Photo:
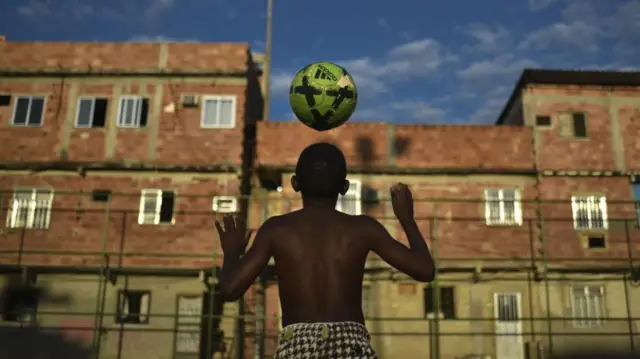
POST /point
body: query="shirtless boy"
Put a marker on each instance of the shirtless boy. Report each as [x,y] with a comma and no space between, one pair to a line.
[320,256]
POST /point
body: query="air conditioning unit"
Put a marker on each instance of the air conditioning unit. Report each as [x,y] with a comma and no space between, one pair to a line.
[190,100]
[225,204]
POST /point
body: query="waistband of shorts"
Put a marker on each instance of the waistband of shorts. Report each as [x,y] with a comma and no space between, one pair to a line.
[326,330]
[330,325]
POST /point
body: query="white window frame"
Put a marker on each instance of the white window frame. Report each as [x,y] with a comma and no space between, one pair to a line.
[91,114]
[32,206]
[357,192]
[503,220]
[597,200]
[149,193]
[216,207]
[188,323]
[203,112]
[590,320]
[137,114]
[145,306]
[15,110]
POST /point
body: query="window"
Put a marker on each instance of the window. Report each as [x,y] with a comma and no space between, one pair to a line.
[588,308]
[133,112]
[21,299]
[30,208]
[596,241]
[5,100]
[101,195]
[133,307]
[92,112]
[218,112]
[28,111]
[351,202]
[447,302]
[502,207]
[543,121]
[225,204]
[188,324]
[156,207]
[589,212]
[579,125]
[636,198]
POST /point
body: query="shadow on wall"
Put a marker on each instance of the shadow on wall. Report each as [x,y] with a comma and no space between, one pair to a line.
[29,341]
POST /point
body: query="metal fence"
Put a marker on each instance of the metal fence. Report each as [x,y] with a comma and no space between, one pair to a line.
[129,277]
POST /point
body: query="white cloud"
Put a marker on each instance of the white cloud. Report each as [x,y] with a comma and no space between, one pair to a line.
[577,34]
[401,111]
[406,61]
[372,76]
[488,112]
[156,7]
[419,110]
[62,10]
[501,66]
[487,38]
[38,10]
[382,23]
[280,82]
[537,5]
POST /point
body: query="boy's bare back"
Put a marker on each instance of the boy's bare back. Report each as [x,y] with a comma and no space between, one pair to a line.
[320,253]
[320,257]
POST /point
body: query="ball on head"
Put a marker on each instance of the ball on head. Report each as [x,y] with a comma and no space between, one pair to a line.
[323,95]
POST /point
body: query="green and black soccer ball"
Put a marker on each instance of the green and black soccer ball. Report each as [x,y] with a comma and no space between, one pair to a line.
[323,95]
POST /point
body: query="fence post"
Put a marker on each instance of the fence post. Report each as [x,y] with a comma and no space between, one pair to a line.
[260,293]
[102,283]
[435,293]
[626,289]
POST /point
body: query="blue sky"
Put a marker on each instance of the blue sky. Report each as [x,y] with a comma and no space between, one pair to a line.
[414,61]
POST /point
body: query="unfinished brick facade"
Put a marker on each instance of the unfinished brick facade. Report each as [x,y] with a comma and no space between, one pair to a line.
[449,168]
[174,148]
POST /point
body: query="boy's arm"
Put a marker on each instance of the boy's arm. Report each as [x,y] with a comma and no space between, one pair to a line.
[415,261]
[240,271]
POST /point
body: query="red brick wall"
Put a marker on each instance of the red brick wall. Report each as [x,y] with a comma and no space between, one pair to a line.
[629,117]
[623,234]
[180,140]
[416,146]
[456,208]
[78,224]
[597,151]
[127,56]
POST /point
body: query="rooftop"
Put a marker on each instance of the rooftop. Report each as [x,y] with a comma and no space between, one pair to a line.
[40,58]
[569,77]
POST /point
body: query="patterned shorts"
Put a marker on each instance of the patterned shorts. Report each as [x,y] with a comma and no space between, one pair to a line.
[343,340]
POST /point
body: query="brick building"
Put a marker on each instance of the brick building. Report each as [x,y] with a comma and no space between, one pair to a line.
[116,157]
[532,221]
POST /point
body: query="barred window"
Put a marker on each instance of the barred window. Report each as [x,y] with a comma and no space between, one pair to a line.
[588,308]
[30,208]
[589,212]
[502,207]
[351,202]
[133,112]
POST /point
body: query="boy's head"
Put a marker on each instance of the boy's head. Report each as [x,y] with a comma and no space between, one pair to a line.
[321,172]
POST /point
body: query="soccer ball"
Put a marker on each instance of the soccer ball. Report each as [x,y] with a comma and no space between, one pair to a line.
[323,95]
